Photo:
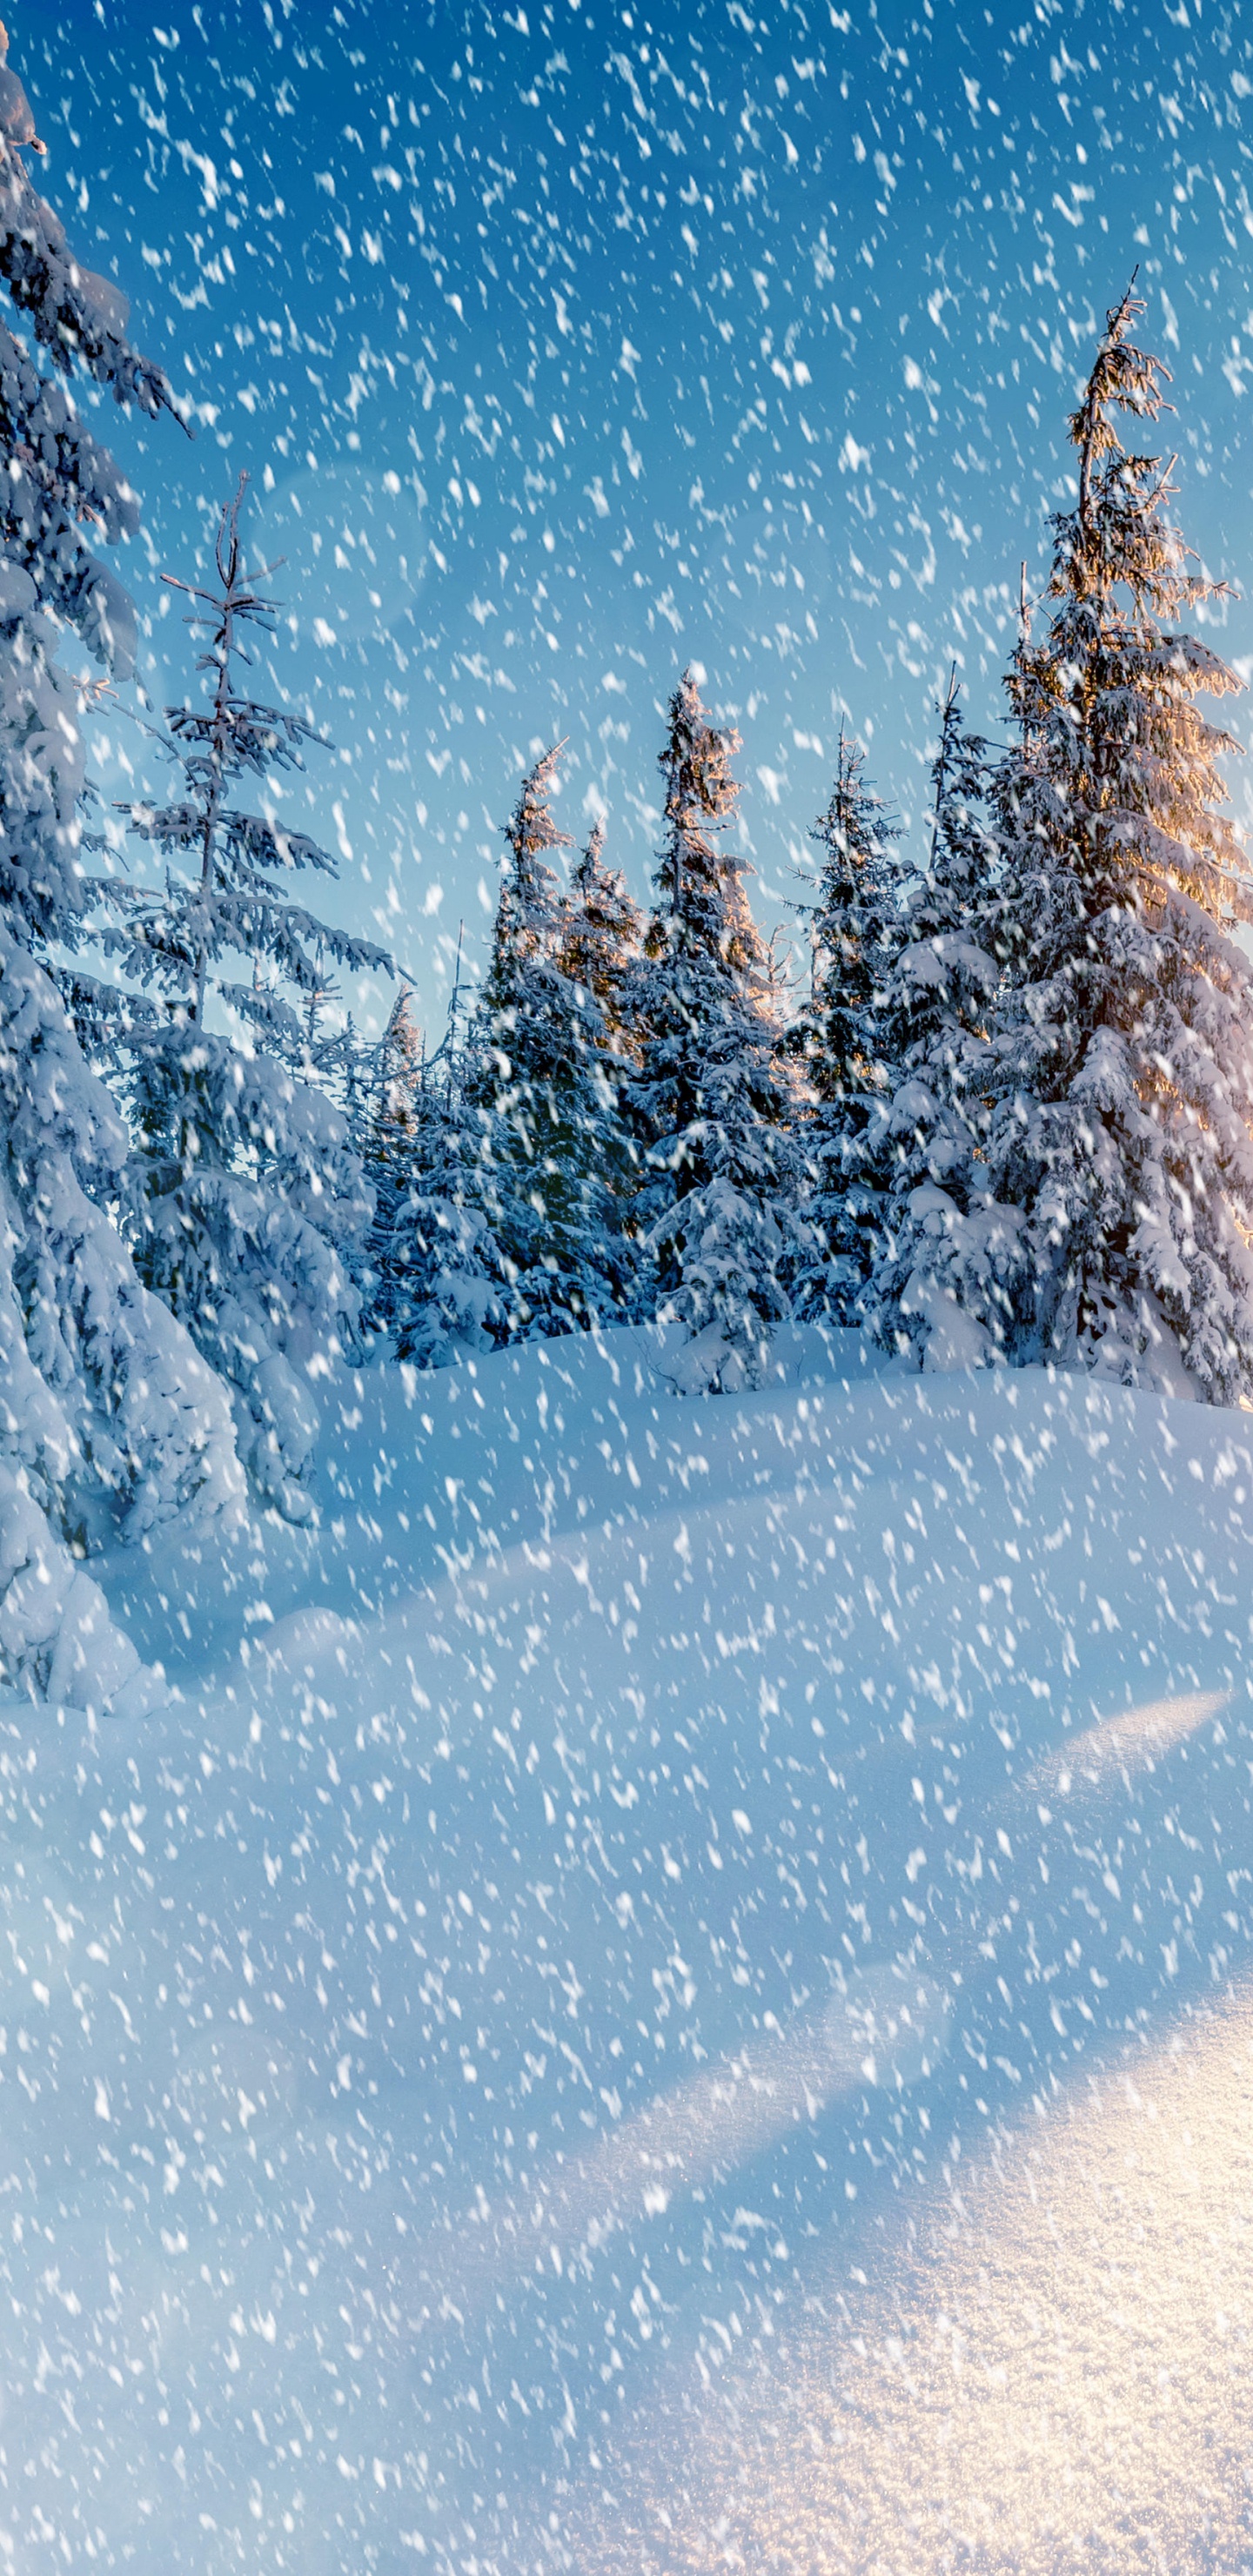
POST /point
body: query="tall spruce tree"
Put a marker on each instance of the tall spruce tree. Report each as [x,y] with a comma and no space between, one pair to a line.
[599,934]
[599,928]
[844,1039]
[940,1006]
[382,1123]
[714,1097]
[544,1096]
[244,1197]
[436,1279]
[107,1416]
[952,930]
[449,1292]
[1107,1217]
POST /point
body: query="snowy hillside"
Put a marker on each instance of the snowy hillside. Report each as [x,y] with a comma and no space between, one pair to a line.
[626,1294]
[663,1993]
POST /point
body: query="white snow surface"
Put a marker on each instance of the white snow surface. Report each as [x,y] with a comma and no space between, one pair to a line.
[669,1989]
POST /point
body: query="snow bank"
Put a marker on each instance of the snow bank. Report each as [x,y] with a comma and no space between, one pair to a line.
[55,1627]
[592,1903]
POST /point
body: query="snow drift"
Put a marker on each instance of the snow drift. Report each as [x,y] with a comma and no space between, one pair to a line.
[590,1912]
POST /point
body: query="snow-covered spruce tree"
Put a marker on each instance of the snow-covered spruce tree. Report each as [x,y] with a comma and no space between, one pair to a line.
[244,1196]
[599,928]
[1107,1219]
[714,1099]
[448,1291]
[107,1416]
[385,1126]
[951,931]
[939,1008]
[546,1104]
[435,1277]
[599,944]
[844,1039]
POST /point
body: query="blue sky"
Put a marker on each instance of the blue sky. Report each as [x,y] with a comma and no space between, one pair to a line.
[598,338]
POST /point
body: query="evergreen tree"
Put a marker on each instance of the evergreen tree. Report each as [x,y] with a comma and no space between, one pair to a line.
[382,1125]
[436,1279]
[599,936]
[844,1041]
[939,1006]
[714,1097]
[543,1092]
[599,928]
[106,1414]
[448,1289]
[316,1043]
[1108,1214]
[244,1197]
[952,931]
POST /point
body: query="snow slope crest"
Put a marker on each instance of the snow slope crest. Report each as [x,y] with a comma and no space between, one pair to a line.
[590,1914]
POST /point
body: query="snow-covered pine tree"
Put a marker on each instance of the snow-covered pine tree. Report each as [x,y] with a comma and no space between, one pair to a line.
[448,1292]
[544,1098]
[244,1195]
[107,1416]
[386,1127]
[951,928]
[1108,1219]
[714,1098]
[599,928]
[378,1086]
[435,1276]
[844,1041]
[939,1006]
[599,935]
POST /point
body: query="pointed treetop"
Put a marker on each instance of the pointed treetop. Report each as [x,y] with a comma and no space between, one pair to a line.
[401,1037]
[400,1059]
[1117,770]
[528,895]
[856,827]
[950,734]
[228,897]
[236,733]
[599,928]
[701,794]
[1124,378]
[960,843]
[530,829]
[238,594]
[588,868]
[700,889]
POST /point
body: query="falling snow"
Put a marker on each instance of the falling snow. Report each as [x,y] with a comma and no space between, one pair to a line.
[597,1978]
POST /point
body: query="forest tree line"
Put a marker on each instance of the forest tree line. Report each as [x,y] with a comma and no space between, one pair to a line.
[1008,1116]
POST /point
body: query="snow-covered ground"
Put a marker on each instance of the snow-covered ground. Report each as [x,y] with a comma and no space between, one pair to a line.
[667,1992]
